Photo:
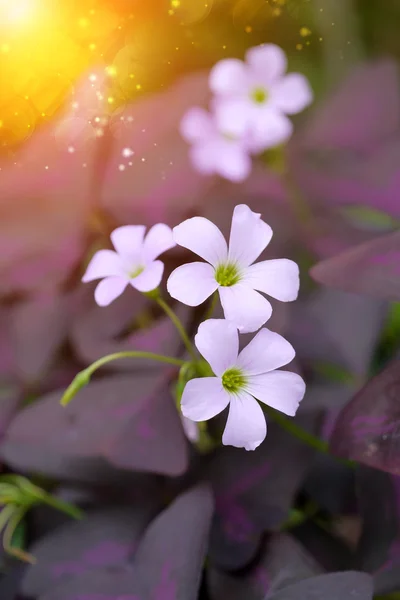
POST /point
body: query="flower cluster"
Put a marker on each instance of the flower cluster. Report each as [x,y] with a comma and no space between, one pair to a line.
[233,378]
[249,108]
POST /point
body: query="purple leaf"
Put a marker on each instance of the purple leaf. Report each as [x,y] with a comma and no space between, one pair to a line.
[253,491]
[372,268]
[283,561]
[100,331]
[102,539]
[124,421]
[157,182]
[168,562]
[349,585]
[367,429]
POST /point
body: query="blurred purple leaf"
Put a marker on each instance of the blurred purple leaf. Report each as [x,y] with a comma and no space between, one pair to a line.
[283,561]
[98,331]
[379,546]
[349,585]
[372,268]
[156,182]
[129,422]
[348,151]
[167,564]
[102,539]
[254,492]
[367,429]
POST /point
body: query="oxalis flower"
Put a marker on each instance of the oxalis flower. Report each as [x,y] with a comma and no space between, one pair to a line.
[239,379]
[132,263]
[256,95]
[215,151]
[231,270]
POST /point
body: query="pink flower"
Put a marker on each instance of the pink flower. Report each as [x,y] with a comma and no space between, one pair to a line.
[231,270]
[255,96]
[239,379]
[133,261]
[215,151]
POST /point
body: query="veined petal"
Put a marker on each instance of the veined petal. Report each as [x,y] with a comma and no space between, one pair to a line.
[266,351]
[279,389]
[268,62]
[128,240]
[109,289]
[278,278]
[249,236]
[103,264]
[246,426]
[292,94]
[197,124]
[150,278]
[203,238]
[229,77]
[244,307]
[204,398]
[159,239]
[217,341]
[192,284]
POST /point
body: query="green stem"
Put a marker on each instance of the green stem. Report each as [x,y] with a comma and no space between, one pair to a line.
[212,306]
[178,324]
[301,434]
[84,376]
[65,507]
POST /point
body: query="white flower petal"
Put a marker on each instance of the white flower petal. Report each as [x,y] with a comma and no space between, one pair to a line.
[192,284]
[292,94]
[269,128]
[103,264]
[150,278]
[278,278]
[128,240]
[233,115]
[268,62]
[217,341]
[203,238]
[246,426]
[266,351]
[197,124]
[159,239]
[279,389]
[249,236]
[244,307]
[233,162]
[191,429]
[109,289]
[229,77]
[204,398]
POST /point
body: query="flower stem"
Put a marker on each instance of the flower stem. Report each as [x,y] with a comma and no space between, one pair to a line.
[301,434]
[84,376]
[178,324]
[211,308]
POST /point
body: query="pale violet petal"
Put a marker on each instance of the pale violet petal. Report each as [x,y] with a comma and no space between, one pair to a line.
[246,426]
[278,278]
[229,77]
[233,162]
[267,62]
[268,129]
[109,289]
[197,124]
[292,94]
[202,157]
[203,238]
[128,240]
[266,351]
[233,115]
[159,239]
[249,236]
[191,429]
[104,263]
[150,278]
[281,390]
[244,307]
[192,284]
[204,398]
[217,340]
